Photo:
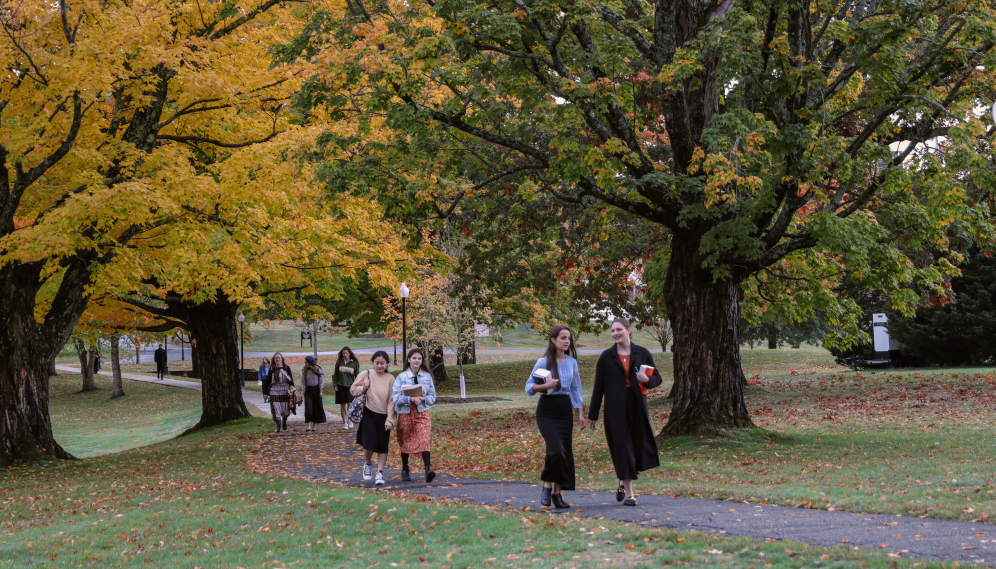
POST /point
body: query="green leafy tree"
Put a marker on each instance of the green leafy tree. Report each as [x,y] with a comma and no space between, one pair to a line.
[957,328]
[770,140]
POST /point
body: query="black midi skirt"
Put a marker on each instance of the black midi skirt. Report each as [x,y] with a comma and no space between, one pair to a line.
[633,450]
[314,410]
[555,418]
[342,395]
[372,435]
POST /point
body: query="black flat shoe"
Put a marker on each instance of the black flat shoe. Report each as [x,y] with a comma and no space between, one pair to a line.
[559,502]
[430,475]
[620,493]
[545,497]
[406,475]
[631,501]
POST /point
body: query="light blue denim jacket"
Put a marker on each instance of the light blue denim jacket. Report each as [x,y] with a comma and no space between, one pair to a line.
[570,380]
[403,403]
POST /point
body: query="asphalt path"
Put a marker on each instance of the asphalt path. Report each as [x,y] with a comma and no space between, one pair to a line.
[897,535]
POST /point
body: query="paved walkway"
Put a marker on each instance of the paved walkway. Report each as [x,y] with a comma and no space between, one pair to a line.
[254,398]
[897,535]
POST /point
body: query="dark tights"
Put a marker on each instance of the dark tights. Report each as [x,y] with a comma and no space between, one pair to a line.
[425,458]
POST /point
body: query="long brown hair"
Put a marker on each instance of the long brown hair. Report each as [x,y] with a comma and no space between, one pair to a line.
[339,360]
[283,360]
[424,366]
[551,350]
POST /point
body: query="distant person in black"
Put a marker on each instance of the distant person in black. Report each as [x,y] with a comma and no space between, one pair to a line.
[96,362]
[160,359]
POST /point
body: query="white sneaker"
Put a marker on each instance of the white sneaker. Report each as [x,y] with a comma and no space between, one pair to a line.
[379,481]
[351,424]
[366,472]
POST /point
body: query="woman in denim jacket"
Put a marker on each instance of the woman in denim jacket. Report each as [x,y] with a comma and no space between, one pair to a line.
[414,423]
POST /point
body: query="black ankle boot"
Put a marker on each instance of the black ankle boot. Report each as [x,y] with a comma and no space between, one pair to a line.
[545,497]
[559,502]
[430,475]
[406,475]
[285,423]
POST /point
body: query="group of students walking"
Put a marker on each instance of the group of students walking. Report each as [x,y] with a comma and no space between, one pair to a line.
[623,375]
[389,403]
[401,401]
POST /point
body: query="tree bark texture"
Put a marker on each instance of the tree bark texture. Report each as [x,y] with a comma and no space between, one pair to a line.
[773,341]
[117,388]
[213,327]
[87,356]
[705,316]
[195,361]
[27,349]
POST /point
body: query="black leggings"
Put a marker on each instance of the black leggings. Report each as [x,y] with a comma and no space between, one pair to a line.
[425,458]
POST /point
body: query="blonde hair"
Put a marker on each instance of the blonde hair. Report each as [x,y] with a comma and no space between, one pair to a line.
[266,361]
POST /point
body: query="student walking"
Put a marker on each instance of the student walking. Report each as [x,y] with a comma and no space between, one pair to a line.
[160,358]
[620,378]
[374,432]
[279,387]
[414,422]
[346,371]
[264,369]
[561,395]
[313,381]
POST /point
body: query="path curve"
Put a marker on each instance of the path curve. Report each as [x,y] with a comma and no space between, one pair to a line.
[897,535]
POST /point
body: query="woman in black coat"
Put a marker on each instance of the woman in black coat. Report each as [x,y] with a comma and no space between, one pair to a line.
[627,422]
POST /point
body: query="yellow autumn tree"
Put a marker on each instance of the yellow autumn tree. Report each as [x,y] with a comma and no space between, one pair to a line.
[263,232]
[118,123]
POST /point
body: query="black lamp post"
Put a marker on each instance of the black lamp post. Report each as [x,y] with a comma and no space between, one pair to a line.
[404,322]
[242,350]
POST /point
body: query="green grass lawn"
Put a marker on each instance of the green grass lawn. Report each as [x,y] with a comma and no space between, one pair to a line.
[90,424]
[903,442]
[195,501]
[283,336]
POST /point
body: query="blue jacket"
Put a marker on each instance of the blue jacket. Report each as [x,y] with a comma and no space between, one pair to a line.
[570,380]
[264,370]
[402,403]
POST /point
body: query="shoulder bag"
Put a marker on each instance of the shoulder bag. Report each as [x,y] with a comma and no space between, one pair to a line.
[355,411]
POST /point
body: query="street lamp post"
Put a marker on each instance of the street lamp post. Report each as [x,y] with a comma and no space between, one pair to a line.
[404,322]
[242,350]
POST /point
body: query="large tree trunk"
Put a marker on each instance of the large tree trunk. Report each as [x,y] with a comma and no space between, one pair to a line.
[27,348]
[705,317]
[118,389]
[437,364]
[213,327]
[195,361]
[86,355]
[773,339]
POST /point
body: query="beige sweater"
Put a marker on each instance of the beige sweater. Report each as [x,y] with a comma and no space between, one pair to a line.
[380,394]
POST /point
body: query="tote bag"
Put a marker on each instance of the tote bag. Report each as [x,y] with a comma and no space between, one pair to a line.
[355,411]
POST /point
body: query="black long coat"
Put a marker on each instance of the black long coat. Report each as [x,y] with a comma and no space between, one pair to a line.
[627,427]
